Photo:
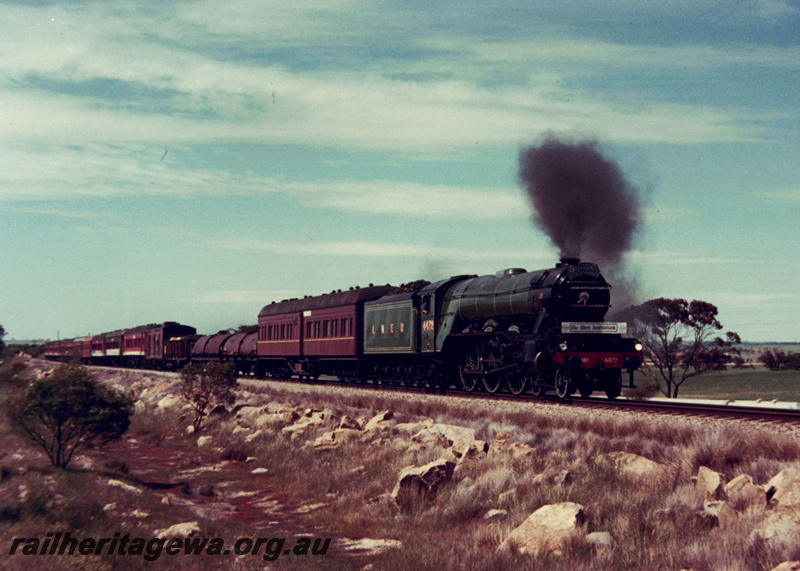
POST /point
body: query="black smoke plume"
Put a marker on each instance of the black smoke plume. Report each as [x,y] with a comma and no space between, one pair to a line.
[581,199]
[584,203]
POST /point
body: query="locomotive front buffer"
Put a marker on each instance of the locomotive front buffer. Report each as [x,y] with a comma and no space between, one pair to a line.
[586,356]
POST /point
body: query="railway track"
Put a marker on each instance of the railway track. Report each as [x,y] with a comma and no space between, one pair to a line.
[731,409]
[684,408]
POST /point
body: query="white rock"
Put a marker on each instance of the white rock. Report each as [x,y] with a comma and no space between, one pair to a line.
[780,529]
[169,402]
[369,546]
[496,515]
[185,530]
[253,436]
[348,422]
[461,439]
[743,493]
[421,482]
[632,465]
[335,438]
[784,488]
[124,486]
[708,483]
[545,530]
[380,419]
[717,512]
[600,539]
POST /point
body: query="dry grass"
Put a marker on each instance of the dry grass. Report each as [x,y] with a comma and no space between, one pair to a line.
[653,521]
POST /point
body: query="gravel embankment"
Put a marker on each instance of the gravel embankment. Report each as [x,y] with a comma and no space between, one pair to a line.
[549,408]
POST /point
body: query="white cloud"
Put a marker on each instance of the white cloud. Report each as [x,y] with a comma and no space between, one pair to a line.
[33,172]
[61,212]
[784,195]
[573,55]
[272,21]
[695,258]
[398,198]
[775,9]
[59,172]
[169,93]
[751,300]
[384,250]
[354,112]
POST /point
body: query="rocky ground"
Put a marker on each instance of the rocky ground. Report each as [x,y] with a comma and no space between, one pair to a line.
[403,480]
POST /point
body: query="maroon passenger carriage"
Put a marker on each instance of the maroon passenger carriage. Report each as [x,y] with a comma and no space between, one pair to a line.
[315,335]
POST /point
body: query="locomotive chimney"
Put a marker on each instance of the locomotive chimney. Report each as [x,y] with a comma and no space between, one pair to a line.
[568,262]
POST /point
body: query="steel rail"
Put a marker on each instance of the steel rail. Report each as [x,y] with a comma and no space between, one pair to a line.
[726,410]
[682,408]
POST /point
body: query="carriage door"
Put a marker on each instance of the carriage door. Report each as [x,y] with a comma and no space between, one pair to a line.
[427,326]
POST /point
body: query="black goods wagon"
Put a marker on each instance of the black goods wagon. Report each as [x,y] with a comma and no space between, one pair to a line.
[209,347]
[178,350]
[157,336]
[240,349]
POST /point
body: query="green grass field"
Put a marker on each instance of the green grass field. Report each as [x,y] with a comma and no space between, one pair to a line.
[741,384]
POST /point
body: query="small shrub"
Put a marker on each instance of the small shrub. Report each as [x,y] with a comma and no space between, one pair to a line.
[11,370]
[207,385]
[780,360]
[234,455]
[117,466]
[10,514]
[646,389]
[70,410]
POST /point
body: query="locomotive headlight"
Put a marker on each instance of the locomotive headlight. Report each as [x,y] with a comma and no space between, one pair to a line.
[563,345]
[638,346]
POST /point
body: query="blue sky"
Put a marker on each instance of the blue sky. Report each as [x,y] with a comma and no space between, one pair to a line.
[193,161]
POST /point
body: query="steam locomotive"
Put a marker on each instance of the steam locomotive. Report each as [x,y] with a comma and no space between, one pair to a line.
[542,331]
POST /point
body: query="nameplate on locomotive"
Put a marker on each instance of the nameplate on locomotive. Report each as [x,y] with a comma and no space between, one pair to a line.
[590,327]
